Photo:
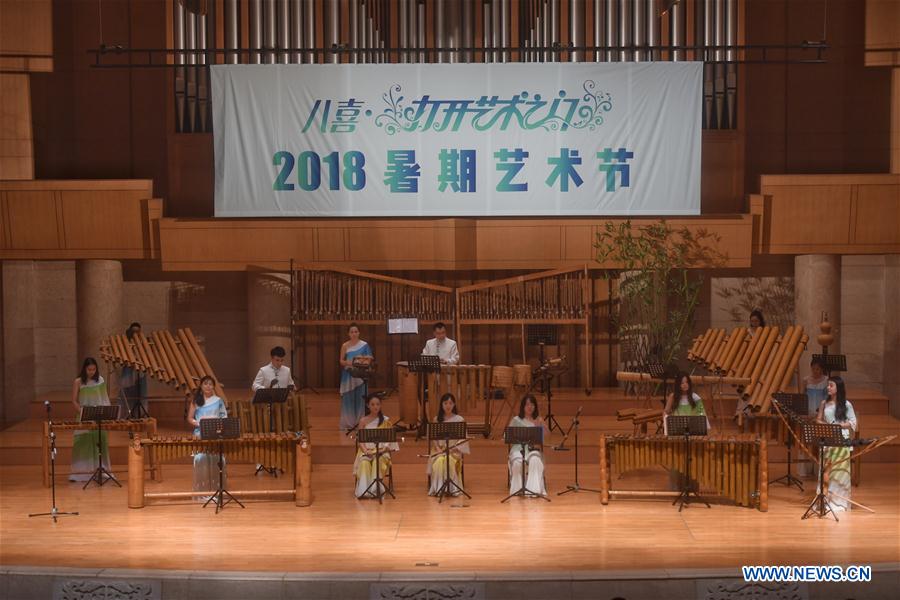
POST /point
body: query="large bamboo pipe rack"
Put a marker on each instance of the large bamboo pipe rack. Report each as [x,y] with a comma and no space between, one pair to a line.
[766,358]
[555,297]
[335,296]
[173,359]
[757,365]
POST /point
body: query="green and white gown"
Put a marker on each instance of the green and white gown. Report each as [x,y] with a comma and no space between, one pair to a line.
[84,442]
[839,474]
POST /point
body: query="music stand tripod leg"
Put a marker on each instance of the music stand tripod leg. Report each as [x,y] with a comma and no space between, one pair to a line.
[524,491]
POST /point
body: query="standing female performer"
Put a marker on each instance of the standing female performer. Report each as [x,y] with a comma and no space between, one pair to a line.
[352,388]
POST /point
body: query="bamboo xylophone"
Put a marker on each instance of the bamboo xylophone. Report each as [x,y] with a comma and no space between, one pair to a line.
[287,451]
[145,426]
[289,416]
[766,359]
[468,383]
[175,360]
[735,467]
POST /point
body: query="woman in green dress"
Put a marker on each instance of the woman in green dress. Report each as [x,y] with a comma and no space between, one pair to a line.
[88,389]
[687,404]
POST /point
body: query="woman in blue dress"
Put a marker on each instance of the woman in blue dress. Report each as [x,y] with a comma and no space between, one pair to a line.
[816,393]
[206,405]
[353,389]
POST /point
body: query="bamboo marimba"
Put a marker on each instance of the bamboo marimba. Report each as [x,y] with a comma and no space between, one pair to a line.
[173,359]
[734,467]
[468,384]
[288,416]
[145,426]
[290,452]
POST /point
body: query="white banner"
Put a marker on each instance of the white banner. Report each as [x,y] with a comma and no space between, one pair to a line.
[457,140]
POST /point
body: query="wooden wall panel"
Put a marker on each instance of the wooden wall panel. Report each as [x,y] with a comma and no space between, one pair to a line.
[32,219]
[829,214]
[16,144]
[882,32]
[78,219]
[421,244]
[26,35]
[877,214]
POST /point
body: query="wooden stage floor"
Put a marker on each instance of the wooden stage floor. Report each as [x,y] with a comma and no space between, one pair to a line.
[414,533]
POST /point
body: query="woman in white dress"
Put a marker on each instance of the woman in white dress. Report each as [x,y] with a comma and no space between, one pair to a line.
[437,464]
[534,459]
[364,465]
[837,409]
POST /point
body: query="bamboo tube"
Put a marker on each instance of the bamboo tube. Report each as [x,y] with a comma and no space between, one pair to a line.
[738,337]
[178,359]
[771,370]
[762,352]
[206,366]
[169,345]
[701,355]
[763,476]
[604,472]
[190,356]
[135,474]
[164,357]
[303,473]
[750,357]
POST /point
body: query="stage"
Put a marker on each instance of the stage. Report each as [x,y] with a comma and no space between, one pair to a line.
[341,547]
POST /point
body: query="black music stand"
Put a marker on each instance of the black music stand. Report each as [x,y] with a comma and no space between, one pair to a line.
[54,511]
[424,364]
[385,435]
[98,414]
[544,374]
[825,435]
[834,363]
[270,396]
[525,437]
[793,406]
[221,429]
[575,487]
[687,426]
[445,432]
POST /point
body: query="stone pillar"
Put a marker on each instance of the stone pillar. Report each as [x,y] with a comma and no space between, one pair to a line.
[817,288]
[18,339]
[892,331]
[98,289]
[268,317]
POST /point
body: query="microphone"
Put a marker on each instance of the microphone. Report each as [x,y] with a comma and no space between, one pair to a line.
[47,406]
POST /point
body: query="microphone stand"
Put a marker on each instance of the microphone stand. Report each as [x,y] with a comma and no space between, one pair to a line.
[54,511]
[575,487]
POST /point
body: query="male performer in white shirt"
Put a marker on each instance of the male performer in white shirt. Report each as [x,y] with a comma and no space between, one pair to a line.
[274,374]
[442,346]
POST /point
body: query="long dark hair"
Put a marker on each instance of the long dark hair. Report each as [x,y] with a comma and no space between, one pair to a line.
[90,360]
[447,396]
[525,399]
[840,399]
[380,412]
[758,314]
[678,392]
[199,400]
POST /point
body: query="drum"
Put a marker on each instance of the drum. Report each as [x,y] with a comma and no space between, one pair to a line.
[522,375]
[363,361]
[502,377]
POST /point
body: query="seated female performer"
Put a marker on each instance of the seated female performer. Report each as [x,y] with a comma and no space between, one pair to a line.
[206,405]
[837,409]
[528,417]
[437,467]
[688,403]
[364,465]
